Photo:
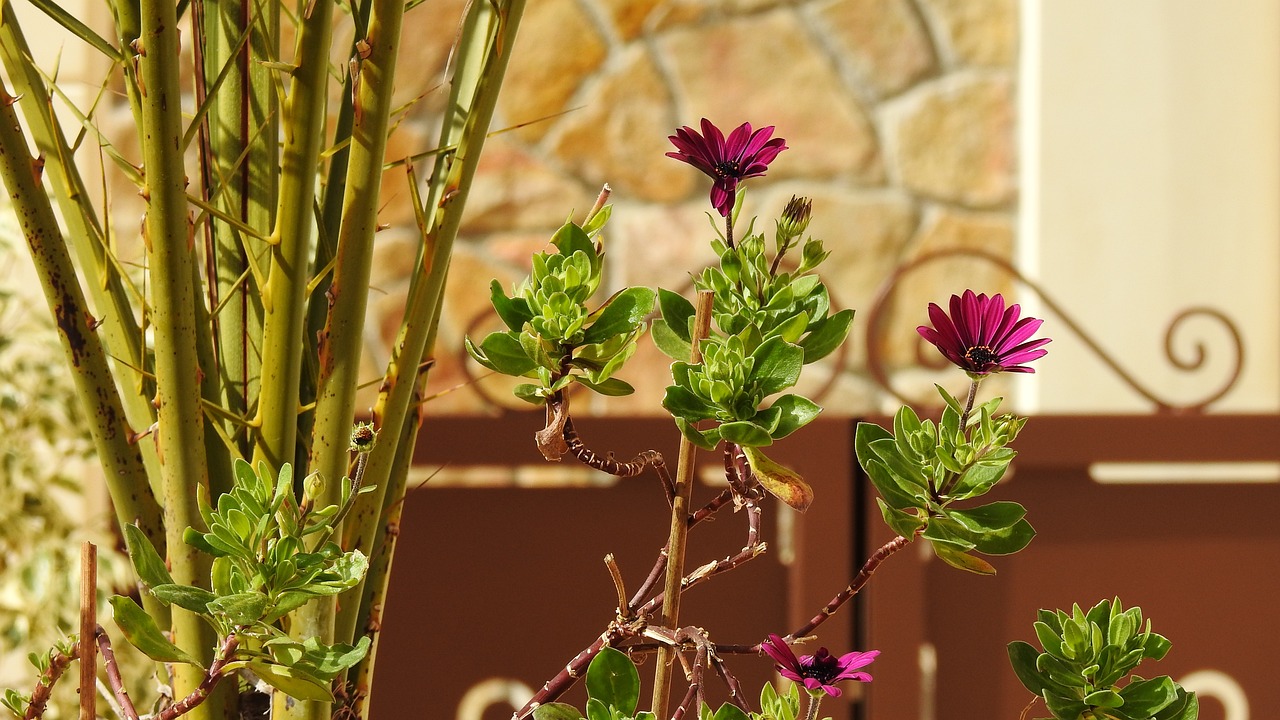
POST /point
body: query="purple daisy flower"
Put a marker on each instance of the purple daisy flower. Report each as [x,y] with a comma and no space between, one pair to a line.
[982,336]
[743,155]
[820,671]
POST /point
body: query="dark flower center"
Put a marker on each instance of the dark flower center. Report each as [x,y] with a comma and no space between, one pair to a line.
[980,355]
[822,667]
[727,169]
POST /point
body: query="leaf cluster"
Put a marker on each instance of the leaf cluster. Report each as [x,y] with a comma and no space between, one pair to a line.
[768,324]
[921,468]
[551,335]
[271,556]
[1087,655]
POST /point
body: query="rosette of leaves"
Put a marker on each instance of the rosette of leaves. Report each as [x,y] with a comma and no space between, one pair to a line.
[613,692]
[271,555]
[770,324]
[921,469]
[1085,659]
[551,336]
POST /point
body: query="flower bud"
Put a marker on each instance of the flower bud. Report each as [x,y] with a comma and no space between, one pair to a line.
[795,219]
[363,436]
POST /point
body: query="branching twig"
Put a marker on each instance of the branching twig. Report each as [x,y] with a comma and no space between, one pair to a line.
[859,580]
[212,677]
[44,686]
[113,674]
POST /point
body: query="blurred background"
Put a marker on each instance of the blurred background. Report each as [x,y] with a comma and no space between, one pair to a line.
[1112,165]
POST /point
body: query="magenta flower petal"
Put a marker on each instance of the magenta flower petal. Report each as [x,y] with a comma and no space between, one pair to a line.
[821,671]
[981,336]
[746,153]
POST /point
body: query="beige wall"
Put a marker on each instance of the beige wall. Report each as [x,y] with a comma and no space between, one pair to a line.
[1152,185]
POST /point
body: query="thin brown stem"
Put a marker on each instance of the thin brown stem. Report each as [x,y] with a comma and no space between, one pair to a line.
[113,674]
[624,609]
[856,585]
[609,464]
[212,677]
[88,625]
[679,520]
[728,231]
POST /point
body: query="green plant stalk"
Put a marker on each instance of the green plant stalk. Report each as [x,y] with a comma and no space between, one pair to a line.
[119,328]
[122,460]
[284,297]
[340,341]
[488,35]
[388,532]
[168,238]
[238,111]
[662,667]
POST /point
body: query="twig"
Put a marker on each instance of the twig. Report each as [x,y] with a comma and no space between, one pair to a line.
[212,677]
[609,464]
[88,625]
[679,519]
[113,674]
[858,582]
[624,609]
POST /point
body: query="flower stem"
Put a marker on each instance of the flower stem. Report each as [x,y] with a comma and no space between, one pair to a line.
[815,701]
[968,403]
[679,525]
[728,231]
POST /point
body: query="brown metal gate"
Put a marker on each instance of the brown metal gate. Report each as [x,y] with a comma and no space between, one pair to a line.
[508,583]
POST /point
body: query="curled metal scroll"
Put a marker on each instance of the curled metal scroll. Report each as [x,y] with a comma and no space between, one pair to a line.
[1198,357]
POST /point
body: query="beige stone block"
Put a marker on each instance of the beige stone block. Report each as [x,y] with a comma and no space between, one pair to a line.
[766,69]
[977,32]
[557,48]
[429,32]
[884,39]
[954,140]
[620,137]
[515,190]
[947,273]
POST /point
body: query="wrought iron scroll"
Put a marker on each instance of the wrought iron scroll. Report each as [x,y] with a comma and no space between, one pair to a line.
[876,317]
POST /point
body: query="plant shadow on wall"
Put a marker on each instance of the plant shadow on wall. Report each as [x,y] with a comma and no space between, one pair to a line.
[261,520]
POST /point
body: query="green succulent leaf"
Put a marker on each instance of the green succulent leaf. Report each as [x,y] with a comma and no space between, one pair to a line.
[683,404]
[146,561]
[746,434]
[240,608]
[795,412]
[670,343]
[729,711]
[556,711]
[141,632]
[1006,541]
[1148,697]
[1022,656]
[612,387]
[705,439]
[826,336]
[293,681]
[904,523]
[777,365]
[184,596]
[1186,707]
[570,239]
[597,710]
[502,352]
[622,313]
[613,680]
[514,312]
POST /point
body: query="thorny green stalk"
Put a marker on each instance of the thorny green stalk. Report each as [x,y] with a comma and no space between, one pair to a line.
[340,343]
[108,293]
[122,460]
[168,239]
[239,165]
[283,298]
[488,35]
[679,525]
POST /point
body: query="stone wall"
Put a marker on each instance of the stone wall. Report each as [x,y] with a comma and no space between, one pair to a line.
[899,115]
